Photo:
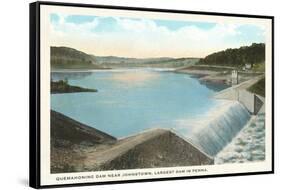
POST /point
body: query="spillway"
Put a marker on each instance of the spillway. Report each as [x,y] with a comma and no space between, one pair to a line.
[220,128]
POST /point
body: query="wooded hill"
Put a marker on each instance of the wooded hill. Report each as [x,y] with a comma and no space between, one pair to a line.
[238,57]
[69,58]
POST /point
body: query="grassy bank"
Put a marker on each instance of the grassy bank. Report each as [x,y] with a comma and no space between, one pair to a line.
[258,88]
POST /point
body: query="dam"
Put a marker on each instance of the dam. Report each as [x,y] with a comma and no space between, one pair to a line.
[129,102]
[220,128]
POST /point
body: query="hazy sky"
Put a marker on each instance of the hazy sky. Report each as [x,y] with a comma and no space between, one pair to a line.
[130,37]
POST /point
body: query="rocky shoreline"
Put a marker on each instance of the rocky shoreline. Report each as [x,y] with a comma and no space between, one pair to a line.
[59,87]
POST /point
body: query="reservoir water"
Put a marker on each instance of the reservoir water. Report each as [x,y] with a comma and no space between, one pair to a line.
[132,100]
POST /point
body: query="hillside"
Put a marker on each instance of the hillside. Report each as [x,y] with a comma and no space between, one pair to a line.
[258,87]
[69,58]
[68,137]
[217,67]
[238,57]
[166,62]
[120,60]
[68,132]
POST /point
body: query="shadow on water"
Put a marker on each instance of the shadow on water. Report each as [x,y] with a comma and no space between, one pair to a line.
[210,85]
[214,86]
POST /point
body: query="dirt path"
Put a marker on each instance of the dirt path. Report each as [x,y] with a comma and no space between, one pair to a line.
[105,153]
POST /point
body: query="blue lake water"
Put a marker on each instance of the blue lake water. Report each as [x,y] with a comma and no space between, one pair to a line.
[133,100]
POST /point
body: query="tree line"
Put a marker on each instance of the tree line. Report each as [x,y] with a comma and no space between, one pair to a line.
[254,54]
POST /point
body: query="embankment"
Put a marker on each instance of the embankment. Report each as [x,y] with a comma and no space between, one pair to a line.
[76,148]
[66,131]
[69,138]
[149,149]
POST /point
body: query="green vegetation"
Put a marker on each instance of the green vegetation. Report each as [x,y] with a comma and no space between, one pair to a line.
[259,67]
[160,62]
[62,86]
[68,58]
[210,68]
[173,63]
[156,64]
[238,57]
[258,88]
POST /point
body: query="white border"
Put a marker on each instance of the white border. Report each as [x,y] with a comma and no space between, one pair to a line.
[52,179]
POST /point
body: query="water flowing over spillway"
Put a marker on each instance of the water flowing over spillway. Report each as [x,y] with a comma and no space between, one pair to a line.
[248,145]
[222,127]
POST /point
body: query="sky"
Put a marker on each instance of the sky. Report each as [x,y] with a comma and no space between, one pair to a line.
[143,38]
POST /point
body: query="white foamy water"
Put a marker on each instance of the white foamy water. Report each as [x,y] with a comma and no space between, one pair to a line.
[219,127]
[248,145]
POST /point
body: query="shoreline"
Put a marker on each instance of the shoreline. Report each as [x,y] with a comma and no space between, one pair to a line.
[217,75]
[61,87]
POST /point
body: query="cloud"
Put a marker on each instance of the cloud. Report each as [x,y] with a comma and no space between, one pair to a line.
[144,38]
[69,28]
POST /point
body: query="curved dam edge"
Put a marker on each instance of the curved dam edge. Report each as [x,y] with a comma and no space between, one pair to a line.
[99,151]
[252,102]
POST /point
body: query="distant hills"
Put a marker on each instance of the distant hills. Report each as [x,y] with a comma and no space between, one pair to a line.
[69,58]
[113,61]
[237,57]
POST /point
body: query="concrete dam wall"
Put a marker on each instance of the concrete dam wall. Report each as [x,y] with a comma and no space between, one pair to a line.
[221,128]
[252,102]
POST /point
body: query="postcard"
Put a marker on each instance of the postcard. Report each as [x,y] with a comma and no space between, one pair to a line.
[123,94]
